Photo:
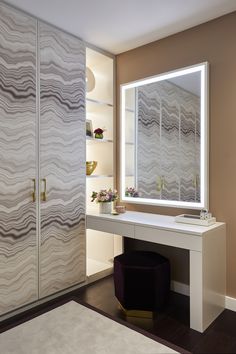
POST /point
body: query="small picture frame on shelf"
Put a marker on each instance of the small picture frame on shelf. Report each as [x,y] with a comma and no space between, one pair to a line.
[89,128]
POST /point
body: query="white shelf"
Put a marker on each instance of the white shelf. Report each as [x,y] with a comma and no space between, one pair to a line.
[94,140]
[100,110]
[129,110]
[103,103]
[99,176]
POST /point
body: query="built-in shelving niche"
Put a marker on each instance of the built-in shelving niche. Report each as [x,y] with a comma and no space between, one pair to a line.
[101,247]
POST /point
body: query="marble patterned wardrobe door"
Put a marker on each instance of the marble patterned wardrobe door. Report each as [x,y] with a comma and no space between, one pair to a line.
[18,250]
[62,149]
[148,141]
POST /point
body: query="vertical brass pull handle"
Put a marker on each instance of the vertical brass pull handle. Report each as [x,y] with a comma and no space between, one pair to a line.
[34,190]
[44,193]
[196,181]
[160,183]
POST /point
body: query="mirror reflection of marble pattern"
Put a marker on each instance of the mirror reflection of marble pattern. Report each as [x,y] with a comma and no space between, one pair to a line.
[163,138]
[167,165]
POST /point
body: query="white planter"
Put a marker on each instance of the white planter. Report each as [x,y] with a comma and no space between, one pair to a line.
[105,208]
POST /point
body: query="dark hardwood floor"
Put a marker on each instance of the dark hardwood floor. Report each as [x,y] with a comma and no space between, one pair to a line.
[171,325]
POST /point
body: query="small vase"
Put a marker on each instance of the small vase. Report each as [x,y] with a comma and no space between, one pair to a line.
[105,208]
[98,136]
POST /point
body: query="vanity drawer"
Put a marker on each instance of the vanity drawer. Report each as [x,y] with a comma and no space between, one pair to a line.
[113,227]
[169,238]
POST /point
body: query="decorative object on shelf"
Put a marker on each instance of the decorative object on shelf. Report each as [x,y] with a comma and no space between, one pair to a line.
[89,128]
[114,213]
[90,80]
[99,133]
[105,208]
[131,192]
[120,209]
[205,215]
[105,197]
[90,167]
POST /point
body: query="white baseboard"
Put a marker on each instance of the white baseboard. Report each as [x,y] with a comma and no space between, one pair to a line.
[230,303]
[181,288]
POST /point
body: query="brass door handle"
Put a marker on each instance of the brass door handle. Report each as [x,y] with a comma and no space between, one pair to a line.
[160,183]
[44,193]
[196,181]
[34,190]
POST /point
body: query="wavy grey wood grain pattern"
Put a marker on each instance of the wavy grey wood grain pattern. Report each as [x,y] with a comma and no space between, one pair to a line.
[168,142]
[18,278]
[62,108]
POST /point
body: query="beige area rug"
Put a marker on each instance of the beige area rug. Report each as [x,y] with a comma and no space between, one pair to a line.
[76,329]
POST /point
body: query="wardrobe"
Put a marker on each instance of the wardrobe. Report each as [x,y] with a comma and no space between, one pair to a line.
[42,160]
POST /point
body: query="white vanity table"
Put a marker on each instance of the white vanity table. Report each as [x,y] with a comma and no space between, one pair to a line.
[206,247]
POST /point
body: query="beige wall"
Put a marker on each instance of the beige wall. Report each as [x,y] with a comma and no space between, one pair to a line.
[214,42]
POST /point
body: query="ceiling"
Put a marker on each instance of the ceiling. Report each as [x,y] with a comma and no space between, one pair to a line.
[121,25]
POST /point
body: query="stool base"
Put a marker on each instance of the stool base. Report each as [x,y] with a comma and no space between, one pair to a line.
[137,313]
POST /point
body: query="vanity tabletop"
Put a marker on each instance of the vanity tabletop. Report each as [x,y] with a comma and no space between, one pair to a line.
[154,221]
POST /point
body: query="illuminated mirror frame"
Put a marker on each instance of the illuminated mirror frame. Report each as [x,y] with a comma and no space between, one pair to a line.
[203,69]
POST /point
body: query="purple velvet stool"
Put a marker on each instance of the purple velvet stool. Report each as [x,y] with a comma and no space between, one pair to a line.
[142,281]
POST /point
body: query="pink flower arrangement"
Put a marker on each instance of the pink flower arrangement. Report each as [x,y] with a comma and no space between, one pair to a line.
[104,196]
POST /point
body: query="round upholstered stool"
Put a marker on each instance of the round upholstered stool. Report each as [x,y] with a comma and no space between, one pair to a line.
[142,282]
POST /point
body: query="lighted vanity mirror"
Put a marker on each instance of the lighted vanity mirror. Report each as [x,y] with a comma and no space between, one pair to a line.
[164,139]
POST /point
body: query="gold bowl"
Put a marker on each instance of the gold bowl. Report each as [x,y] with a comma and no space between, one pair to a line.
[90,167]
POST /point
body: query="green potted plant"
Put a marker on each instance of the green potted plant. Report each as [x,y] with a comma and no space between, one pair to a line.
[99,133]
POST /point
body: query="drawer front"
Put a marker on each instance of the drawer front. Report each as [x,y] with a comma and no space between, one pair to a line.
[169,238]
[113,227]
